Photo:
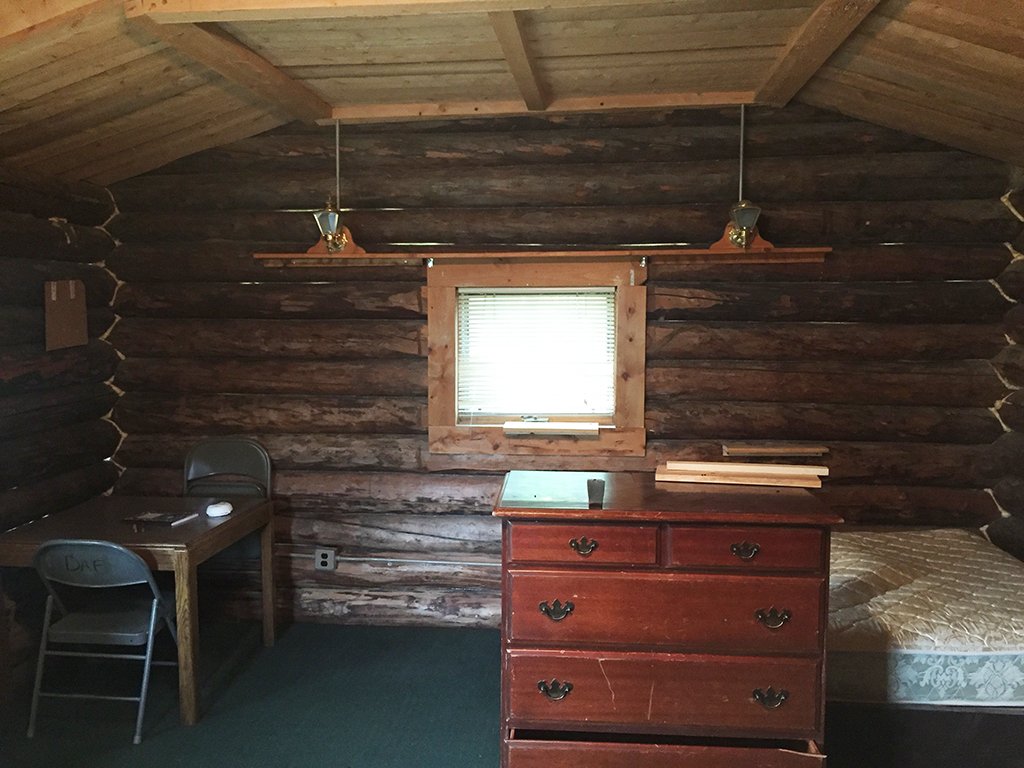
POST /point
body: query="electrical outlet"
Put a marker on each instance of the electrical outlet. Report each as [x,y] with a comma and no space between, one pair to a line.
[324,559]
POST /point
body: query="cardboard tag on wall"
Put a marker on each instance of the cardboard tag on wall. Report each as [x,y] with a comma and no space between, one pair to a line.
[67,324]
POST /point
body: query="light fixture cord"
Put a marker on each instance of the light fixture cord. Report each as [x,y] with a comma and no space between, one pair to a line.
[743,111]
[337,163]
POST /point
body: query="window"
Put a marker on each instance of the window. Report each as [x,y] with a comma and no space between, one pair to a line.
[536,357]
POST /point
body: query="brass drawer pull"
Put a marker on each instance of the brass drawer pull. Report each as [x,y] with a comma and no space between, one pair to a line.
[554,690]
[746,550]
[772,618]
[556,611]
[770,699]
[583,546]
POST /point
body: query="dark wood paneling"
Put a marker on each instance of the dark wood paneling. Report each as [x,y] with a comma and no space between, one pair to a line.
[48,452]
[30,238]
[33,500]
[27,368]
[23,281]
[75,201]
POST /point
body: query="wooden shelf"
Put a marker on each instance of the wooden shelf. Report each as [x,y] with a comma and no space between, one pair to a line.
[813,255]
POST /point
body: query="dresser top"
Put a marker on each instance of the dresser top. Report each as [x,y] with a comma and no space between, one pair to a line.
[636,496]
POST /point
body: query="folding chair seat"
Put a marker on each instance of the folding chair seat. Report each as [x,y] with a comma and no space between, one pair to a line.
[102,595]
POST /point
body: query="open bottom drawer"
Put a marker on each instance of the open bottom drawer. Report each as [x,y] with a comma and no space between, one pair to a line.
[533,749]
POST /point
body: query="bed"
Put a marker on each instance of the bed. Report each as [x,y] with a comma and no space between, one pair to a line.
[925,617]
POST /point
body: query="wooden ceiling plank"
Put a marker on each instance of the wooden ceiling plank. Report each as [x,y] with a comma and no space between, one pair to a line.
[828,27]
[102,99]
[229,58]
[904,110]
[964,23]
[509,31]
[400,111]
[21,19]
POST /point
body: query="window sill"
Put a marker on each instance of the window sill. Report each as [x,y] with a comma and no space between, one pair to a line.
[608,441]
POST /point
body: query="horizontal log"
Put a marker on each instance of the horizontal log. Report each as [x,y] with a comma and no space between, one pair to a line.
[1013,323]
[260,339]
[909,505]
[857,462]
[968,301]
[23,414]
[757,340]
[852,263]
[269,300]
[810,223]
[288,149]
[26,325]
[79,202]
[695,179]
[409,535]
[293,566]
[27,368]
[1009,363]
[407,606]
[1011,411]
[320,495]
[228,261]
[407,377]
[1009,494]
[50,452]
[24,278]
[287,451]
[1001,458]
[960,383]
[228,413]
[1012,280]
[818,423]
[27,237]
[32,501]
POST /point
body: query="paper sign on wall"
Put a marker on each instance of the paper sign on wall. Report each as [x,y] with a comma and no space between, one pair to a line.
[66,321]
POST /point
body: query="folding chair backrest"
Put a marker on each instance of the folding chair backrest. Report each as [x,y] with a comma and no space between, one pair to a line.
[227,466]
[91,564]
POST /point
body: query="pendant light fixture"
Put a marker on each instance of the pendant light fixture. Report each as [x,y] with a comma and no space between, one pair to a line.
[741,231]
[335,238]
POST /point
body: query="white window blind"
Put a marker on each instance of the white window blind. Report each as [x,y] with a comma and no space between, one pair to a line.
[535,352]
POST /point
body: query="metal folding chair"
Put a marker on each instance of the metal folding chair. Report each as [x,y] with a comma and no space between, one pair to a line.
[227,466]
[104,595]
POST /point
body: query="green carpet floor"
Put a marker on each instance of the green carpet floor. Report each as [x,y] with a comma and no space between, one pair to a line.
[332,696]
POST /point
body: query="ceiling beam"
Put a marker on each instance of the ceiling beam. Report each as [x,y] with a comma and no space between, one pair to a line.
[508,28]
[828,27]
[20,18]
[194,11]
[223,54]
[399,111]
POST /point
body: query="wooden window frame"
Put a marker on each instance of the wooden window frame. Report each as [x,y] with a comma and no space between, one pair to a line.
[627,275]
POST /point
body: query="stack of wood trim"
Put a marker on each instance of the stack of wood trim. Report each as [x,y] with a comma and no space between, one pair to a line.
[740,473]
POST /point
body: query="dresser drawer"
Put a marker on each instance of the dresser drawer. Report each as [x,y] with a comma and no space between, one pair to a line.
[692,611]
[584,544]
[747,548]
[664,693]
[530,753]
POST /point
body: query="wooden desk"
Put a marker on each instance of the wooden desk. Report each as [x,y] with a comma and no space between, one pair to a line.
[180,549]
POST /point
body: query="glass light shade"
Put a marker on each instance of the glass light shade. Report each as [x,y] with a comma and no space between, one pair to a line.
[328,220]
[744,215]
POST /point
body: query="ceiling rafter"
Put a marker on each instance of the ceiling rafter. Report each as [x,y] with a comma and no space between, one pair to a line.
[178,11]
[215,48]
[509,30]
[828,27]
[398,111]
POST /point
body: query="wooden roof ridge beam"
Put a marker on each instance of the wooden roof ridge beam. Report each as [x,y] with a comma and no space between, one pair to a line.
[195,11]
[829,26]
[402,110]
[215,48]
[509,31]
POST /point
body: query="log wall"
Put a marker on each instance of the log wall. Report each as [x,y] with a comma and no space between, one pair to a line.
[888,352]
[55,439]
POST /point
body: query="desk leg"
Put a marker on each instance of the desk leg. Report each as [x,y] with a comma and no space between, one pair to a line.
[267,579]
[186,588]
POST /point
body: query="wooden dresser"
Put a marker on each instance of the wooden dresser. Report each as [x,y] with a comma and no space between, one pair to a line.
[675,625]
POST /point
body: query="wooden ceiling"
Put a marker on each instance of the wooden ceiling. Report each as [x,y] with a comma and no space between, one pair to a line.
[103,90]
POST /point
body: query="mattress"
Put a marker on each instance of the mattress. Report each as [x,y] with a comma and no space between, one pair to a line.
[930,616]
